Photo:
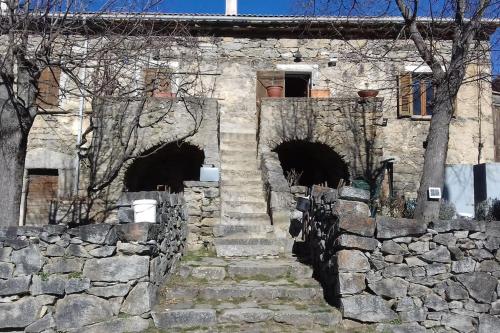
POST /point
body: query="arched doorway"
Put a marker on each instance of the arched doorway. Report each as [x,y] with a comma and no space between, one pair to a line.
[311,163]
[167,167]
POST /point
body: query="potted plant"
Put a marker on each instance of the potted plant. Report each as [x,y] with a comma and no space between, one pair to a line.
[367,92]
[275,89]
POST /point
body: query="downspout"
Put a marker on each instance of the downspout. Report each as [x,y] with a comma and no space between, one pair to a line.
[80,126]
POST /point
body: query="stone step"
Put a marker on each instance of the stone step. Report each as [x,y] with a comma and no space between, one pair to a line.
[214,292]
[249,147]
[247,247]
[238,218]
[242,183]
[223,230]
[237,189]
[227,174]
[248,196]
[243,136]
[238,165]
[244,206]
[241,178]
[237,158]
[247,319]
[238,154]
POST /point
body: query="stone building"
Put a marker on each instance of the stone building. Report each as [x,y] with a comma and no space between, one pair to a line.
[317,127]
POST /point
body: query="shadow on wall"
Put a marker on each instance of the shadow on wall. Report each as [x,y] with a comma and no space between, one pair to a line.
[310,163]
[165,168]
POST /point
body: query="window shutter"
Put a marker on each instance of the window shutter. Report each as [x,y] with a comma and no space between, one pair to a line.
[48,88]
[405,107]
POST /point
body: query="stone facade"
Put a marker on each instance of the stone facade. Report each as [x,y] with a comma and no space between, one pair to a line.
[93,278]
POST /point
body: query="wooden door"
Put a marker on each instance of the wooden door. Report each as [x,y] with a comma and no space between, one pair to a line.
[41,191]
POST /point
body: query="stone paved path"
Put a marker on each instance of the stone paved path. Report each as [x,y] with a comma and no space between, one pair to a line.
[274,294]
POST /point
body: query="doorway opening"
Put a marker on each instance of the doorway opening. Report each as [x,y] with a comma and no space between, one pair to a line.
[165,168]
[311,163]
[297,84]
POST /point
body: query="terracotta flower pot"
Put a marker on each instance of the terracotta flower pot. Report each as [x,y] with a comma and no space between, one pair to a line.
[368,93]
[274,91]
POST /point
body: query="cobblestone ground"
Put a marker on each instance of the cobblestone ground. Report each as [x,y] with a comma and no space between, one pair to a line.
[273,294]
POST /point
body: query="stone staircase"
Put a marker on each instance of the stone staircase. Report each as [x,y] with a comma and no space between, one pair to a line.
[213,294]
[245,228]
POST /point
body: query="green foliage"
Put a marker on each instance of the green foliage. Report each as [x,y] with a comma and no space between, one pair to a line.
[447,210]
[488,210]
[44,276]
[75,275]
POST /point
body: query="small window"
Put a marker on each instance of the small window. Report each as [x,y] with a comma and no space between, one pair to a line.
[416,91]
[48,88]
[297,85]
[157,82]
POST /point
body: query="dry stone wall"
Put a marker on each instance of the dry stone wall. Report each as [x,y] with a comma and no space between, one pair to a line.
[411,276]
[93,278]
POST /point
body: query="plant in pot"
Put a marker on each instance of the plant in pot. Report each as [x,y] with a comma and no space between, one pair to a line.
[275,89]
[367,92]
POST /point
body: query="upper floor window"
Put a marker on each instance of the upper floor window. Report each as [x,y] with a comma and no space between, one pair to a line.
[158,82]
[416,91]
[48,88]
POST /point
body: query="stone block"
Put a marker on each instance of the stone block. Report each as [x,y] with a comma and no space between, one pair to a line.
[330,319]
[367,308]
[466,265]
[138,232]
[116,269]
[488,324]
[28,260]
[53,285]
[103,251]
[435,303]
[391,247]
[15,286]
[54,250]
[350,283]
[79,310]
[184,318]
[351,261]
[345,207]
[388,227]
[401,328]
[399,270]
[76,250]
[295,318]
[63,265]
[129,324]
[5,253]
[391,287]
[455,291]
[354,194]
[357,224]
[77,285]
[19,314]
[125,215]
[139,300]
[439,254]
[92,233]
[248,315]
[356,242]
[446,239]
[41,325]
[459,322]
[6,270]
[209,273]
[493,229]
[481,286]
[452,225]
[130,248]
[116,290]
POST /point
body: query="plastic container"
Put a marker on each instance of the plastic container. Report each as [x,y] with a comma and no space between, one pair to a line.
[209,173]
[144,210]
[303,204]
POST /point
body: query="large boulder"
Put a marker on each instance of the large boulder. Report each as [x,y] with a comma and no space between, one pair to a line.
[357,224]
[481,286]
[392,288]
[488,324]
[139,300]
[28,260]
[356,242]
[15,286]
[351,261]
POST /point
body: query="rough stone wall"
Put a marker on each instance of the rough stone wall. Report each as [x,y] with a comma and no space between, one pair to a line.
[345,125]
[203,213]
[93,278]
[407,275]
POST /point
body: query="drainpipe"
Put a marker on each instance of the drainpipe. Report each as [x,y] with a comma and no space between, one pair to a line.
[80,126]
[231,7]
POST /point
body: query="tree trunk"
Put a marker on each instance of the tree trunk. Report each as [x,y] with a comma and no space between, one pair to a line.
[13,145]
[435,155]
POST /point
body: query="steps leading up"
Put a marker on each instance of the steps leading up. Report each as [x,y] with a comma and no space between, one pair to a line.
[211,294]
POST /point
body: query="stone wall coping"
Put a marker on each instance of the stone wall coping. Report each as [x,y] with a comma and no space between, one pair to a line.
[192,183]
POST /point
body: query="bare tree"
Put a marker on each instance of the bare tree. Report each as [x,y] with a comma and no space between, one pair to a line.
[462,23]
[100,51]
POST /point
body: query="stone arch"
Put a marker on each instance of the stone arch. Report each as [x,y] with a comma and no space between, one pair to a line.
[315,162]
[170,165]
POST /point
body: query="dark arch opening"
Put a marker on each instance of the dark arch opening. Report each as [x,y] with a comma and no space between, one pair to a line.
[316,163]
[168,166]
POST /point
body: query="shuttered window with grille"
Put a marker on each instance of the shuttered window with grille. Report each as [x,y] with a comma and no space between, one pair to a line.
[48,88]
